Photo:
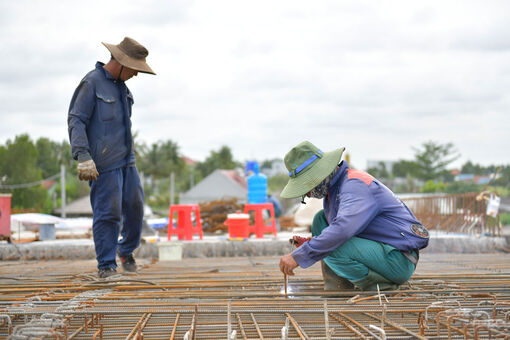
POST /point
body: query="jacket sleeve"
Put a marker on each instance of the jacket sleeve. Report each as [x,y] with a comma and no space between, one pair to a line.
[357,207]
[80,112]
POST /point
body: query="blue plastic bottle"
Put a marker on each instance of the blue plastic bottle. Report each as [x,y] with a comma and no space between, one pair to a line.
[257,186]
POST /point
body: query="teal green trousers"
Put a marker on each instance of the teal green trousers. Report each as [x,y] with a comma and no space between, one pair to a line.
[366,263]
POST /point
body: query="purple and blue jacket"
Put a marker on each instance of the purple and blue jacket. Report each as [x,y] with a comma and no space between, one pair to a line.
[359,205]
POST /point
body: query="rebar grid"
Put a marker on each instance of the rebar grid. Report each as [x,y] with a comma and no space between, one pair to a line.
[450,297]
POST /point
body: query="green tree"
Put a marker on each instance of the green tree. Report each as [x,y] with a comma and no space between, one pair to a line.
[379,171]
[18,165]
[140,148]
[462,187]
[433,158]
[48,157]
[268,163]
[161,159]
[431,186]
[404,168]
[277,183]
[470,168]
[221,159]
[504,180]
[157,162]
[66,158]
[409,185]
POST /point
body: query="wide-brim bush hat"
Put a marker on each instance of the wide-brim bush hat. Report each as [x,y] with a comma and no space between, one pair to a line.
[130,53]
[308,166]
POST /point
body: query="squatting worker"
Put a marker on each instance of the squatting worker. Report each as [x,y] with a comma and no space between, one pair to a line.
[99,123]
[365,236]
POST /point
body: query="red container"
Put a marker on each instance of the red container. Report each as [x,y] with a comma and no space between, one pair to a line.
[5,215]
[238,225]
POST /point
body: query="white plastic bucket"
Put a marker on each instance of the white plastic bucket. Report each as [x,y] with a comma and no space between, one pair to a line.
[170,251]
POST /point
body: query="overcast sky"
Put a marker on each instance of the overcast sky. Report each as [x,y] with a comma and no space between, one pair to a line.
[378,77]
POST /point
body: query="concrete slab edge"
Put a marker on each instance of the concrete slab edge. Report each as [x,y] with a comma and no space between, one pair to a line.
[205,249]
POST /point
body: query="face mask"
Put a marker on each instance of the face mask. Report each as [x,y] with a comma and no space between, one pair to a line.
[321,190]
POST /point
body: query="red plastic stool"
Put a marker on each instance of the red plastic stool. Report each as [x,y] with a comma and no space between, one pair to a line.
[185,228]
[259,228]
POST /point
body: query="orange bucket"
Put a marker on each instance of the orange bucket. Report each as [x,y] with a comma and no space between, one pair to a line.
[238,225]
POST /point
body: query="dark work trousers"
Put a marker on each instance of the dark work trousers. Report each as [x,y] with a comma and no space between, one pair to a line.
[116,195]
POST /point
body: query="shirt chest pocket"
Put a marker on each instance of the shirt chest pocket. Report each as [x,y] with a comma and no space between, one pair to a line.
[106,106]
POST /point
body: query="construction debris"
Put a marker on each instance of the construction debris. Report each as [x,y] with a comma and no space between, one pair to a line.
[287,222]
[214,213]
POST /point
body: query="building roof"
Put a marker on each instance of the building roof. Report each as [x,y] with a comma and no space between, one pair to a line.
[219,184]
[188,161]
[79,207]
[234,176]
[48,183]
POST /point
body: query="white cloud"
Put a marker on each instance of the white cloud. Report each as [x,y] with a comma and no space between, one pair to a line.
[378,78]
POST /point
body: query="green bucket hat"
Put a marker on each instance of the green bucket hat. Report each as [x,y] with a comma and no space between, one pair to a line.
[308,166]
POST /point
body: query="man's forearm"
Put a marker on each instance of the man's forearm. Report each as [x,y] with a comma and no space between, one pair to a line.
[78,139]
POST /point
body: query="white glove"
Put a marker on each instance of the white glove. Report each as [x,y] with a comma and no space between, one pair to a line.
[87,171]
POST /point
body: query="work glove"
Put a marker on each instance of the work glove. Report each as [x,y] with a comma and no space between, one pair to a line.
[298,240]
[87,171]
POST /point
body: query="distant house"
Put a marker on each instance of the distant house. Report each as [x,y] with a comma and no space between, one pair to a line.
[455,172]
[477,179]
[79,207]
[188,161]
[219,184]
[48,184]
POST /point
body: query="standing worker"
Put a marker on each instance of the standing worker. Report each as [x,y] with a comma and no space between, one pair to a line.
[365,236]
[277,209]
[99,123]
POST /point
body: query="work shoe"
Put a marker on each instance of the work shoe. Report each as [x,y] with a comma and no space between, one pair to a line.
[128,263]
[103,273]
[374,279]
[332,281]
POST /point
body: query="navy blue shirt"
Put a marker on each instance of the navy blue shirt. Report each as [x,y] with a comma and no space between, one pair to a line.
[99,121]
[359,205]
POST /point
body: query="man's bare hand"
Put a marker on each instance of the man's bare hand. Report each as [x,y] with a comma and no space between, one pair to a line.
[287,264]
[87,171]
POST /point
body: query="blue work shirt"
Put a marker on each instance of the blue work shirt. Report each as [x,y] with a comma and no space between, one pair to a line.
[359,205]
[99,121]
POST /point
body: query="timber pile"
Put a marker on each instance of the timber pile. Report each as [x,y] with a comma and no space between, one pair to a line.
[214,213]
[287,222]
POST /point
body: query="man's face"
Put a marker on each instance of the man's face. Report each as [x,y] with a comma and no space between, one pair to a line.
[127,73]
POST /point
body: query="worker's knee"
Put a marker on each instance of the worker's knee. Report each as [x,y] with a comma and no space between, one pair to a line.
[134,205]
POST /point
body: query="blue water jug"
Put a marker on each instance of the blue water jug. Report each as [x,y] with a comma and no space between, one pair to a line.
[249,167]
[257,186]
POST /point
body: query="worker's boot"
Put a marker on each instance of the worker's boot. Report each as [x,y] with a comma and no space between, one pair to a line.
[332,281]
[128,263]
[374,279]
[103,273]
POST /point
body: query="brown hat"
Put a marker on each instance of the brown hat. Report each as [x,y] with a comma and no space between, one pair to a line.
[130,53]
